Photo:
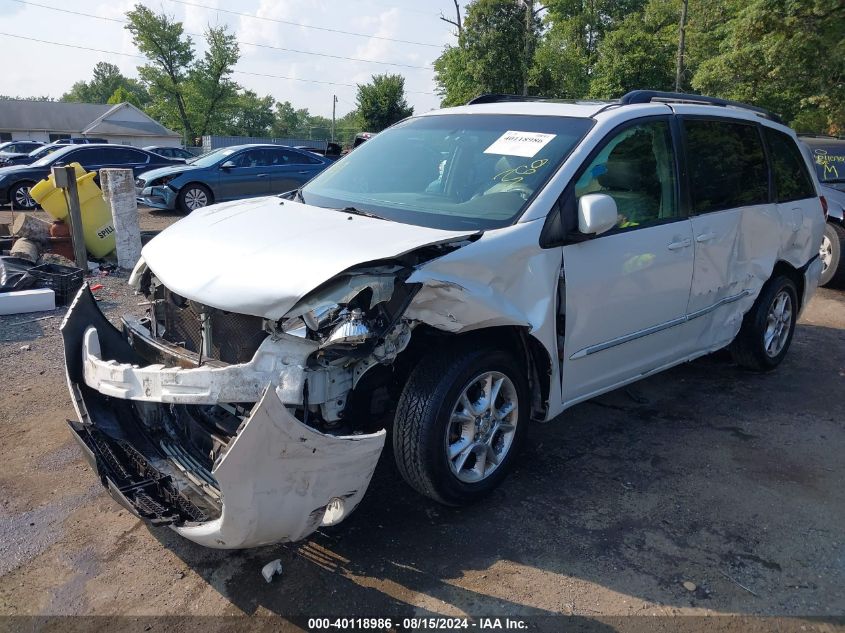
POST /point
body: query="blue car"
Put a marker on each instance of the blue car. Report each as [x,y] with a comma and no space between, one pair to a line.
[230,173]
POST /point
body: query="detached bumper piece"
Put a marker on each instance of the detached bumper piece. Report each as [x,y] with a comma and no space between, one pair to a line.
[133,482]
[222,475]
[130,457]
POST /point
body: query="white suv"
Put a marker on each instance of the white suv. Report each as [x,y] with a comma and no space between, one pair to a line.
[459,275]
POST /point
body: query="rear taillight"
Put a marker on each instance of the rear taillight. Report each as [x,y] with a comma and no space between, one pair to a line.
[824,206]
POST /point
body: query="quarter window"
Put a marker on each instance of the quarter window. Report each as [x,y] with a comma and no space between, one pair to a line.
[727,165]
[637,169]
[792,180]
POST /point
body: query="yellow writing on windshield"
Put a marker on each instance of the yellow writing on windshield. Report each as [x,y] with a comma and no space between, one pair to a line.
[517,174]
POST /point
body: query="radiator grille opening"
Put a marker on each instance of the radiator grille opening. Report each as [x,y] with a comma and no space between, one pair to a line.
[234,337]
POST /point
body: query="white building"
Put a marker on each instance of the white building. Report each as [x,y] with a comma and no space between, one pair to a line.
[53,120]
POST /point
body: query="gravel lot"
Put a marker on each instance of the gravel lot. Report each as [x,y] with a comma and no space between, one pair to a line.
[727,481]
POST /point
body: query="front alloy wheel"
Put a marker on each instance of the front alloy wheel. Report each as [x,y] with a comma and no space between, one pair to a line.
[459,422]
[22,199]
[193,197]
[482,426]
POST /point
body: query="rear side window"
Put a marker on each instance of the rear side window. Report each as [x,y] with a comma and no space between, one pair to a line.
[727,165]
[792,180]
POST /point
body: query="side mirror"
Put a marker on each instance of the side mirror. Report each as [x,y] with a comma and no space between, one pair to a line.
[596,213]
[228,165]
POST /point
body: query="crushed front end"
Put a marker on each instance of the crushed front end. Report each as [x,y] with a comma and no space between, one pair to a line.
[234,430]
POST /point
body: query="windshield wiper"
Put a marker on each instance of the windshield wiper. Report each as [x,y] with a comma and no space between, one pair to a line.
[366,214]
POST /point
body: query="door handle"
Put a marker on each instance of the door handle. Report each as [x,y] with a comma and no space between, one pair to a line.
[684,243]
[705,237]
[303,172]
[261,175]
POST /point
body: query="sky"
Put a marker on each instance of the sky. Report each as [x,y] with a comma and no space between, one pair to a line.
[47,69]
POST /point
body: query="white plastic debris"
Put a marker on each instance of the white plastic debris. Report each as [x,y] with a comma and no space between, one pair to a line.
[271,569]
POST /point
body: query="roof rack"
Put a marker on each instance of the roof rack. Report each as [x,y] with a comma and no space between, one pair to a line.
[498,98]
[648,96]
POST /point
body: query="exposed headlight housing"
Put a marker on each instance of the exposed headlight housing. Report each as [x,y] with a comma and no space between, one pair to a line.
[320,316]
[351,331]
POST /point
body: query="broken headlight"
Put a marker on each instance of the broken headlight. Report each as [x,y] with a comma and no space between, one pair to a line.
[318,317]
[352,329]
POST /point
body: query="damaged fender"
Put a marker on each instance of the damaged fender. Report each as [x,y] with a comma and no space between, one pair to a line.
[281,480]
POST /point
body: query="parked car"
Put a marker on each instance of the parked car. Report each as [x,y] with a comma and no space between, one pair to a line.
[230,173]
[16,180]
[332,151]
[12,148]
[171,152]
[81,140]
[828,155]
[561,251]
[26,159]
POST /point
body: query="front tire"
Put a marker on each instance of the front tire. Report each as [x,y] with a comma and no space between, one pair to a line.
[767,328]
[20,197]
[830,252]
[459,422]
[194,196]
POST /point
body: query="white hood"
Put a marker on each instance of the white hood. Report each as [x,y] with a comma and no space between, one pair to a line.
[261,256]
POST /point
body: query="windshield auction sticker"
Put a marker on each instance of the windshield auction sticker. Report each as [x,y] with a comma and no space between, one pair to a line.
[513,143]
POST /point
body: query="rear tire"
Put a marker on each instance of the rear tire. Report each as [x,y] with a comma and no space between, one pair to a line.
[450,442]
[767,328]
[194,196]
[833,243]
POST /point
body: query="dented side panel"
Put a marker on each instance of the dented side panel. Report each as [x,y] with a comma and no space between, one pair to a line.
[278,477]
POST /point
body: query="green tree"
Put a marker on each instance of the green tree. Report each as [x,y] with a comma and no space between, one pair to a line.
[288,120]
[189,94]
[639,53]
[106,79]
[784,55]
[122,95]
[381,103]
[490,54]
[251,115]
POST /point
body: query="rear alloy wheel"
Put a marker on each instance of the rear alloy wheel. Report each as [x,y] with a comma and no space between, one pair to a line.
[830,253]
[193,197]
[20,197]
[768,327]
[459,422]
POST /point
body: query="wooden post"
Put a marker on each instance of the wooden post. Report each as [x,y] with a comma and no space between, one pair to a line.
[68,181]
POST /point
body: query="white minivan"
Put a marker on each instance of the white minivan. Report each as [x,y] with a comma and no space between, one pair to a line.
[459,275]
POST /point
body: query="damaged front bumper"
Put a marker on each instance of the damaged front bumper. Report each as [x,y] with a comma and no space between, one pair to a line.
[269,478]
[158,197]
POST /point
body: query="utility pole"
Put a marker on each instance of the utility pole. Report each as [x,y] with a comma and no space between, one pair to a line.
[679,66]
[334,104]
[529,34]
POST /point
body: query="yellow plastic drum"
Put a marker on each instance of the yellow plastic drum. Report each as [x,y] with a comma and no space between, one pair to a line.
[97,223]
[50,197]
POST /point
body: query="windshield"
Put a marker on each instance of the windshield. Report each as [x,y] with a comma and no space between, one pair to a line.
[212,158]
[450,171]
[47,158]
[829,161]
